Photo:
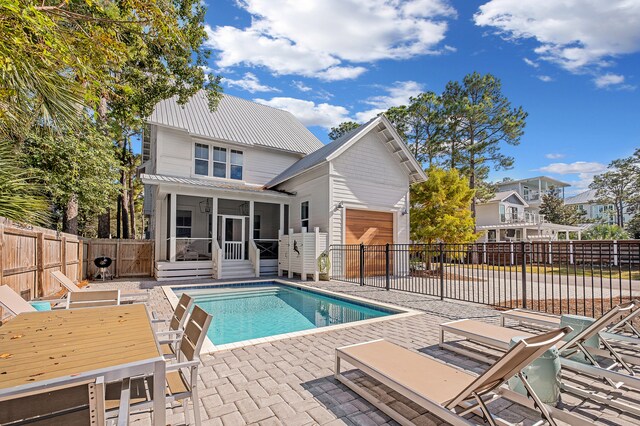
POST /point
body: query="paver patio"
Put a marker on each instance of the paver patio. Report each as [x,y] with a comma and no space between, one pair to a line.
[291,382]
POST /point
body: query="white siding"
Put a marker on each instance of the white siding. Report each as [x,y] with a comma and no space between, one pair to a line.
[312,186]
[176,149]
[367,176]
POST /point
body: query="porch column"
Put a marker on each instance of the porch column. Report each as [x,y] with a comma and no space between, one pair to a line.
[172,226]
[214,220]
[281,228]
[251,212]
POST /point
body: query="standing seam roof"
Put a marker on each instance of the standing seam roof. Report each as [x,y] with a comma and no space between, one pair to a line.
[237,120]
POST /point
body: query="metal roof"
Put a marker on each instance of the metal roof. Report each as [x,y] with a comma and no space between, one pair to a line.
[332,149]
[582,198]
[547,178]
[236,120]
[151,179]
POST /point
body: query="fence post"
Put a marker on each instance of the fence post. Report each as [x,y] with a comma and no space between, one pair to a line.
[441,271]
[615,253]
[524,274]
[39,266]
[571,252]
[361,263]
[386,266]
[63,255]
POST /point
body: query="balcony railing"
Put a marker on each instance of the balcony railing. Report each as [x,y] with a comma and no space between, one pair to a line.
[524,217]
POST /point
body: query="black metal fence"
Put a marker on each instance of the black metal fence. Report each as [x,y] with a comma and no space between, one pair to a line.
[561,277]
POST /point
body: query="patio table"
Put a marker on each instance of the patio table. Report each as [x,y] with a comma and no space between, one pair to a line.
[39,350]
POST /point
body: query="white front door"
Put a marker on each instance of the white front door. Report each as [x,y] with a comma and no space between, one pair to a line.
[233,237]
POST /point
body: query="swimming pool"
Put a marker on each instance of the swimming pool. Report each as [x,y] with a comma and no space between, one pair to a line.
[255,310]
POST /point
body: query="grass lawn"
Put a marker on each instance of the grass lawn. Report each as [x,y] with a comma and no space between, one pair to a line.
[564,270]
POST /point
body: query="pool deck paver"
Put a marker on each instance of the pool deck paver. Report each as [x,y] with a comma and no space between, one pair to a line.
[290,381]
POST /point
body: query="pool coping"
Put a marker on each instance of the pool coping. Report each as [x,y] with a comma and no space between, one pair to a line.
[208,347]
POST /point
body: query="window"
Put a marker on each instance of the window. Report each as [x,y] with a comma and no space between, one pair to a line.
[304,215]
[183,224]
[502,213]
[256,226]
[236,165]
[202,159]
[219,162]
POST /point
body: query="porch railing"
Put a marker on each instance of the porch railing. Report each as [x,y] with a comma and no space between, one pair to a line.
[268,248]
[216,256]
[233,250]
[254,257]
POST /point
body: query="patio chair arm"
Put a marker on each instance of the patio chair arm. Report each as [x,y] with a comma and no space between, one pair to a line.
[125,396]
[185,364]
[177,333]
[158,320]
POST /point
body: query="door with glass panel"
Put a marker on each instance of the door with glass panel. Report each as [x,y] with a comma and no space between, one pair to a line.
[233,237]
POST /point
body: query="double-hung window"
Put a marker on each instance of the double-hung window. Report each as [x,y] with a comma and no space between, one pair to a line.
[183,224]
[202,159]
[236,165]
[304,214]
[225,163]
[219,162]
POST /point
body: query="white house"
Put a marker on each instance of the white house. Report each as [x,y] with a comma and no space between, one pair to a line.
[532,189]
[508,217]
[221,185]
[594,211]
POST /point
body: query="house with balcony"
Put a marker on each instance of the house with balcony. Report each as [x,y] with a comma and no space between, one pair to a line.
[223,187]
[532,189]
[595,212]
[507,216]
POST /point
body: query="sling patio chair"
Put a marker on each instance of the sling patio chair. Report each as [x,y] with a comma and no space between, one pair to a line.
[92,298]
[181,376]
[617,374]
[169,339]
[532,318]
[13,302]
[70,286]
[445,391]
[76,403]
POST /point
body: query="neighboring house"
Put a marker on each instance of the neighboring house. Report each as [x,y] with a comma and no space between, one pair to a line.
[221,182]
[532,189]
[507,217]
[594,211]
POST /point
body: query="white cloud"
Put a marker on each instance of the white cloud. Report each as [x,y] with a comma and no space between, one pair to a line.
[308,112]
[396,94]
[554,156]
[576,34]
[608,80]
[301,86]
[545,78]
[327,38]
[250,83]
[574,168]
[531,63]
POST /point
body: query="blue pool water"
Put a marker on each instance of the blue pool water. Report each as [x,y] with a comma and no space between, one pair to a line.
[255,310]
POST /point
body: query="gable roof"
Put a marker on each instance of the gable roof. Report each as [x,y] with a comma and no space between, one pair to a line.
[236,120]
[503,195]
[333,149]
[556,182]
[585,197]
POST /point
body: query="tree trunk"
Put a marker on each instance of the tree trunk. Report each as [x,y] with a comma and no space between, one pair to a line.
[472,184]
[71,216]
[132,205]
[104,224]
[119,217]
[124,199]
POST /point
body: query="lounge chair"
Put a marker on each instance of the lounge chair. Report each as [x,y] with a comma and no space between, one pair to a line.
[79,402]
[617,374]
[182,376]
[443,390]
[13,302]
[172,336]
[70,286]
[92,298]
[531,318]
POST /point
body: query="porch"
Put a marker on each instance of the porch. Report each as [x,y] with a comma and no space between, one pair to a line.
[218,237]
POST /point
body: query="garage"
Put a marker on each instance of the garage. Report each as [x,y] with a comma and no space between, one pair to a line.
[374,229]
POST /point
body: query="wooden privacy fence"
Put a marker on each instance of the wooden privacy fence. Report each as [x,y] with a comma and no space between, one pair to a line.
[131,258]
[28,255]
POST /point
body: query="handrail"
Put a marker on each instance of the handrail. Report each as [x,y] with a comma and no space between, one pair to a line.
[254,256]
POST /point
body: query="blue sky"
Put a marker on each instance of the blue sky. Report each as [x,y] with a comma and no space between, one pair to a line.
[571,64]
